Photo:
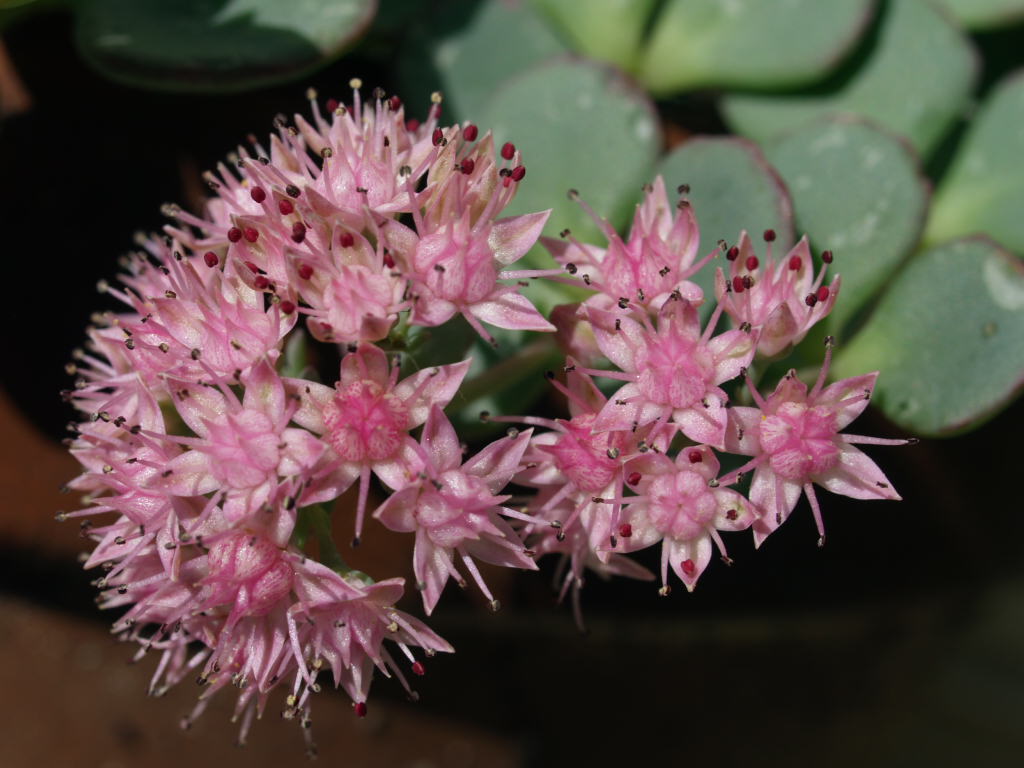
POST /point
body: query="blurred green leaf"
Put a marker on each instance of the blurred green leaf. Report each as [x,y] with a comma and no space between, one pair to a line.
[214,45]
[466,50]
[732,187]
[983,190]
[946,337]
[915,81]
[858,192]
[609,30]
[748,44]
[579,125]
[985,14]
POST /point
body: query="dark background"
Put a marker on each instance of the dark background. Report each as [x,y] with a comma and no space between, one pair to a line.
[899,643]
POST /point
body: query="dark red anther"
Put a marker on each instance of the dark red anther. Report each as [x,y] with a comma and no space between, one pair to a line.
[810,299]
[292,190]
[394,103]
[346,240]
[752,263]
[287,307]
[285,207]
[732,253]
[469,133]
[360,708]
[625,530]
[211,259]
[695,457]
[437,137]
[389,260]
[508,150]
[234,234]
[732,514]
[412,124]
[418,668]
[298,231]
[826,256]
[518,172]
[823,293]
[251,234]
[252,267]
[737,284]
[748,282]
[305,271]
[689,567]
[332,104]
[795,262]
[467,166]
[258,194]
[261,282]
[634,478]
[769,235]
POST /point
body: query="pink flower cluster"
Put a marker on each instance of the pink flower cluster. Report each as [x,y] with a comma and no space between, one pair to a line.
[212,463]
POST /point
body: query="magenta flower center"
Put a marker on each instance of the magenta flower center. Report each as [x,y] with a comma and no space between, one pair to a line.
[674,371]
[249,571]
[680,505]
[800,441]
[365,422]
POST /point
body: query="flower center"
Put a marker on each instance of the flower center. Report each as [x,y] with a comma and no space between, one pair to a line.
[365,422]
[674,371]
[800,441]
[680,505]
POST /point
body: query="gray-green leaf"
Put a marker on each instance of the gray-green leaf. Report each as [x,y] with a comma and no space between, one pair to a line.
[947,338]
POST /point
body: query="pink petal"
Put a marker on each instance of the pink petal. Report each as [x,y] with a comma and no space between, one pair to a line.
[857,476]
[431,570]
[489,549]
[511,238]
[616,415]
[430,311]
[497,462]
[314,397]
[732,351]
[507,308]
[774,508]
[734,513]
[619,346]
[264,391]
[190,475]
[696,553]
[397,513]
[741,431]
[854,393]
[367,362]
[704,425]
[440,441]
[431,386]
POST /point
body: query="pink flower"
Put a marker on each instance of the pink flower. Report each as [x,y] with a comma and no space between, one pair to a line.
[366,417]
[653,264]
[673,371]
[242,449]
[680,505]
[456,508]
[779,301]
[343,623]
[794,437]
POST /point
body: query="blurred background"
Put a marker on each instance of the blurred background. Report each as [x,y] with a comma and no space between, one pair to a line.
[888,131]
